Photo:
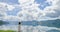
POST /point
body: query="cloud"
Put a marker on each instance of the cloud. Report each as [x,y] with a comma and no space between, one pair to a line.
[31,11]
[25,1]
[10,7]
[2,15]
[11,18]
[53,11]
[2,10]
[4,7]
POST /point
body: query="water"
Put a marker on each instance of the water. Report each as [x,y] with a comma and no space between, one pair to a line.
[33,26]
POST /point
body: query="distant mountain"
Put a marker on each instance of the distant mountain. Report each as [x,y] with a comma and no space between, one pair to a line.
[30,23]
[3,22]
[13,22]
[50,23]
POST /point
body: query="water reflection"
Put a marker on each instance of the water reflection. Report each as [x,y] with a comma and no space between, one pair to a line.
[53,30]
[31,26]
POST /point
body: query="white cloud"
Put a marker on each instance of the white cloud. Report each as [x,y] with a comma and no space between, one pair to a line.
[11,18]
[10,7]
[53,1]
[6,6]
[32,12]
[2,10]
[3,7]
[2,15]
[25,1]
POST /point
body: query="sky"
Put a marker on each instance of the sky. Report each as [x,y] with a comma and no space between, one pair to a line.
[28,10]
[10,1]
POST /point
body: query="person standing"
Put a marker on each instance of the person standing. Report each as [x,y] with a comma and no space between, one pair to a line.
[19,27]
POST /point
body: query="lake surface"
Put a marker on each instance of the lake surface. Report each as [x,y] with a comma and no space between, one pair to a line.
[34,26]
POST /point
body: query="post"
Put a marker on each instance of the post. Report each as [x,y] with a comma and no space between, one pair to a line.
[19,27]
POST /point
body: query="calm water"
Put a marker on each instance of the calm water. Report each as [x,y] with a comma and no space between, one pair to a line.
[40,26]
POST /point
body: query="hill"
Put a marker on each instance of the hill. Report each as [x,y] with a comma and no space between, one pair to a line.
[3,22]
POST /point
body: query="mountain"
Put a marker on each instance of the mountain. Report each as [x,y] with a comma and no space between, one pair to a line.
[50,23]
[3,22]
[13,22]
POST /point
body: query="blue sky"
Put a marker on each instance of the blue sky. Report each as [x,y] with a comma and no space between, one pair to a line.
[44,3]
[10,1]
[16,10]
[44,9]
